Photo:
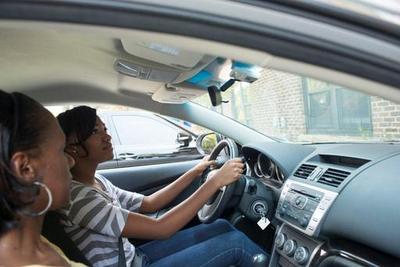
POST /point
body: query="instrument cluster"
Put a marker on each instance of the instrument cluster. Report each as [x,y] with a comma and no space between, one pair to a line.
[264,168]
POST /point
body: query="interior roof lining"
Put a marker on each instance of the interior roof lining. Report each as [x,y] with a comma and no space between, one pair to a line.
[230,51]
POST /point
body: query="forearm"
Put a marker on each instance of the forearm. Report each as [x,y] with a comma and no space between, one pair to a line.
[180,215]
[162,197]
[140,226]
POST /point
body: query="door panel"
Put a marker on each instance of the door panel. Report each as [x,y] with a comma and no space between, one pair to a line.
[147,179]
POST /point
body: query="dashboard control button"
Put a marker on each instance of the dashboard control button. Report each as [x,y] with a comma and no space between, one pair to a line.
[282,211]
[303,221]
[289,247]
[304,206]
[301,255]
[280,240]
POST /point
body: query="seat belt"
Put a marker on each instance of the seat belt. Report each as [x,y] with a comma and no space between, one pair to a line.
[121,253]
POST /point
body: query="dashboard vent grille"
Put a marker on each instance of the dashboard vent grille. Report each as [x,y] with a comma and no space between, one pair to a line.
[304,171]
[333,177]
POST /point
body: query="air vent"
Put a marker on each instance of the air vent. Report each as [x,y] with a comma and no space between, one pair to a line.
[304,171]
[333,177]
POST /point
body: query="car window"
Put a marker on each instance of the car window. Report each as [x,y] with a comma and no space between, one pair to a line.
[138,134]
[301,109]
[139,130]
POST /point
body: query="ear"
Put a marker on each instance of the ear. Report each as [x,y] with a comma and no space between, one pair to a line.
[22,166]
[73,151]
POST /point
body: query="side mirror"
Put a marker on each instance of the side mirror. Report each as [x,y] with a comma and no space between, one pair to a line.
[205,143]
[184,139]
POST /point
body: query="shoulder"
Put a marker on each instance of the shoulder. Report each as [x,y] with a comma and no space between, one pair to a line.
[104,180]
[61,253]
[79,190]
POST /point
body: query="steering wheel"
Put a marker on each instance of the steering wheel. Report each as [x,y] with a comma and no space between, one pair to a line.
[216,204]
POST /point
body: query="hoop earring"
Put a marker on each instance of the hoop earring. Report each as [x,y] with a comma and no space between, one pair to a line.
[50,197]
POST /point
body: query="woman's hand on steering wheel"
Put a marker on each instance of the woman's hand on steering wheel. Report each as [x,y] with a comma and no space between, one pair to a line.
[203,165]
[230,172]
[222,179]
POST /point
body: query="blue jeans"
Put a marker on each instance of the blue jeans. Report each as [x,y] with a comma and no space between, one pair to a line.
[217,244]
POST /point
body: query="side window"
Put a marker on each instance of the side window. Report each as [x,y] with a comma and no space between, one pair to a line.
[331,109]
[143,131]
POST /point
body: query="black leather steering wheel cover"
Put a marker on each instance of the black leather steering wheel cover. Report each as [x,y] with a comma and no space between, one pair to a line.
[210,212]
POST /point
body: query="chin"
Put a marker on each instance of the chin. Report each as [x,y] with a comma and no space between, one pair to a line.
[111,155]
[107,157]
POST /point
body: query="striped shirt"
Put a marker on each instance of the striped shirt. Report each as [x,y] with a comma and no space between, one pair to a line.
[94,220]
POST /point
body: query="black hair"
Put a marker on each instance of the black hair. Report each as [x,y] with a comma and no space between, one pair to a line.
[21,129]
[79,121]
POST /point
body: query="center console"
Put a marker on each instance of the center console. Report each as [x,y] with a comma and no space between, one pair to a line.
[293,248]
[301,208]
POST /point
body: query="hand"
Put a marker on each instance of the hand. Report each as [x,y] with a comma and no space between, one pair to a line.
[230,172]
[203,165]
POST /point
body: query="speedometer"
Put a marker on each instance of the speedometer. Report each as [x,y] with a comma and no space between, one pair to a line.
[265,166]
[257,171]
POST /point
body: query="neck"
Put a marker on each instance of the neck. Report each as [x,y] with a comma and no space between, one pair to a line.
[84,172]
[22,242]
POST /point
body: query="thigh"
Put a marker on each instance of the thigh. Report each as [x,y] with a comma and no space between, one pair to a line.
[230,248]
[158,249]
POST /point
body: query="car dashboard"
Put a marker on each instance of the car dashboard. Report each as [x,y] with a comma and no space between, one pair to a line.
[337,202]
[263,168]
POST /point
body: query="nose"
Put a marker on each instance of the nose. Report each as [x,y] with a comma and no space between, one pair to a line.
[107,137]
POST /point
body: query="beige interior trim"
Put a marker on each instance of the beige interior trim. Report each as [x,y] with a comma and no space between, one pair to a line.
[98,71]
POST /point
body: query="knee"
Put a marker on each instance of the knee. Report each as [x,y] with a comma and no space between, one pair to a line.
[224,224]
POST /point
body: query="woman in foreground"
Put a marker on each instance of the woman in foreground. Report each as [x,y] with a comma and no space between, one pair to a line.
[34,178]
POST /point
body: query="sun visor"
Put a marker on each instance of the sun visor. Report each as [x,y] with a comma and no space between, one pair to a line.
[177,95]
[164,54]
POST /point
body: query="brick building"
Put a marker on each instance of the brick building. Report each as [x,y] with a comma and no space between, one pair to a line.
[303,109]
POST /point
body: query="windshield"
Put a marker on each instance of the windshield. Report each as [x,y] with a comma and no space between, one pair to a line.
[301,109]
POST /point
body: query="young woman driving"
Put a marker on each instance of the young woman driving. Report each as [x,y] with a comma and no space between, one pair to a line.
[101,216]
[34,178]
